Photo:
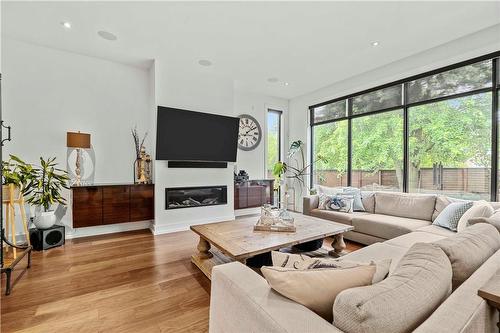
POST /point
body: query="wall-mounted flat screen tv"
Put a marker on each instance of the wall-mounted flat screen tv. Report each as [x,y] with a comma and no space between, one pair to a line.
[184,135]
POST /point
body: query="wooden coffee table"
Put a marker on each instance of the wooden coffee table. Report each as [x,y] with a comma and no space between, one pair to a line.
[237,241]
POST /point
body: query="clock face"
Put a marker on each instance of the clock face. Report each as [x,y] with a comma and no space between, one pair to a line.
[250,133]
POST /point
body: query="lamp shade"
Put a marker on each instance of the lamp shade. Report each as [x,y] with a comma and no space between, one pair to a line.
[77,140]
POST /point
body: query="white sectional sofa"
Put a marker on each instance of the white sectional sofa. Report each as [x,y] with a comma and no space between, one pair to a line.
[242,301]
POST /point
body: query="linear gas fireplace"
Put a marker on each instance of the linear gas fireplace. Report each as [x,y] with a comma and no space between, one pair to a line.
[186,197]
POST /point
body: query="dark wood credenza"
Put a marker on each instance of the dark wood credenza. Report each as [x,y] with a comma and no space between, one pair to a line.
[102,204]
[253,193]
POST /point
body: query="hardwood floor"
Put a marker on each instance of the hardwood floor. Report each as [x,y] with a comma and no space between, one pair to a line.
[127,282]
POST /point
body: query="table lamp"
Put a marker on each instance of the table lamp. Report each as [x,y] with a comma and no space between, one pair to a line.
[78,141]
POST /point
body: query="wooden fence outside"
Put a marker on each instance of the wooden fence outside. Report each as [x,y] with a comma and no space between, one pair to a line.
[473,183]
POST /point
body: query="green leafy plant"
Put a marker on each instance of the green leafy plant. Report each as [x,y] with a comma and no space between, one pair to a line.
[295,173]
[47,185]
[17,172]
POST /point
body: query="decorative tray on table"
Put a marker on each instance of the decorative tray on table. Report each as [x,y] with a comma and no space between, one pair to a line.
[274,219]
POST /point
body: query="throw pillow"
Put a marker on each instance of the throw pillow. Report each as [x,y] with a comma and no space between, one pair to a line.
[469,249]
[329,190]
[479,209]
[341,203]
[356,194]
[302,261]
[451,214]
[496,215]
[316,289]
[324,201]
[420,282]
[287,260]
[441,202]
[489,220]
[381,271]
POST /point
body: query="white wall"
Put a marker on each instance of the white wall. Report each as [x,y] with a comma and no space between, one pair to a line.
[47,92]
[477,44]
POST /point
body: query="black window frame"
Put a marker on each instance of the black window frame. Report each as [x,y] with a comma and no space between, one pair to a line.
[494,57]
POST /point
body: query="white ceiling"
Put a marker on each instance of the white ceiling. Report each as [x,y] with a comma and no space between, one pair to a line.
[309,45]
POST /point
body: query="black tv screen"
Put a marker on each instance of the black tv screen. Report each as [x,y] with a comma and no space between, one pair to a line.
[184,135]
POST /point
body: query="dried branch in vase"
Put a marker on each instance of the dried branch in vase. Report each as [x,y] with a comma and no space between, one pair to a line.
[138,142]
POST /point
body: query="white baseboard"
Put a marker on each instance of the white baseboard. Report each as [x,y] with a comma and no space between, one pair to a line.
[107,229]
[167,227]
[97,230]
[247,211]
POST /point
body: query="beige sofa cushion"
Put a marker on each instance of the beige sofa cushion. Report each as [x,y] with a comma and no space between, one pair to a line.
[309,202]
[401,302]
[489,220]
[414,206]
[464,311]
[435,229]
[340,217]
[386,226]
[316,289]
[377,252]
[412,238]
[469,249]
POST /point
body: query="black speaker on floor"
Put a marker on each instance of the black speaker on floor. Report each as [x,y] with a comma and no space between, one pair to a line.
[43,239]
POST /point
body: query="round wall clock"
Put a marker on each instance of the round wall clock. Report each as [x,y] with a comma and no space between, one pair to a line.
[250,133]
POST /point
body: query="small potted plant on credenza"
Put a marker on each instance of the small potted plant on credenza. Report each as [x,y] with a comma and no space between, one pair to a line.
[48,182]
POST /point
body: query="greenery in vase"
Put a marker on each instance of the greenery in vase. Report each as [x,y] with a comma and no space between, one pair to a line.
[17,172]
[297,172]
[47,185]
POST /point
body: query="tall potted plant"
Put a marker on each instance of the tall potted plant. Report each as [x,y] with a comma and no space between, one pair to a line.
[297,173]
[18,174]
[48,182]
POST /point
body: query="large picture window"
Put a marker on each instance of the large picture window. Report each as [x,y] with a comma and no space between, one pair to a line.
[273,140]
[330,141]
[430,133]
[450,147]
[377,151]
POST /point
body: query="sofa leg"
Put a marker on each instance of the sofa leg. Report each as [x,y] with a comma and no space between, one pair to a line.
[338,245]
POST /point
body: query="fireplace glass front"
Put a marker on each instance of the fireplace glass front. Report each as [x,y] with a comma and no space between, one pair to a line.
[187,197]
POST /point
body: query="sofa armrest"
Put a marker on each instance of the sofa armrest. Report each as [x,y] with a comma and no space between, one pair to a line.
[242,301]
[309,203]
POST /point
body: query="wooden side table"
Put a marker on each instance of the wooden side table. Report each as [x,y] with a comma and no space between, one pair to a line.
[490,292]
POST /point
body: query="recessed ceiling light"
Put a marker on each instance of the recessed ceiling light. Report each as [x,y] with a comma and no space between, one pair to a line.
[205,62]
[375,43]
[273,79]
[286,83]
[107,35]
[66,24]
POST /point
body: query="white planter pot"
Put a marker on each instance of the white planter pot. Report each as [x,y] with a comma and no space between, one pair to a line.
[44,220]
